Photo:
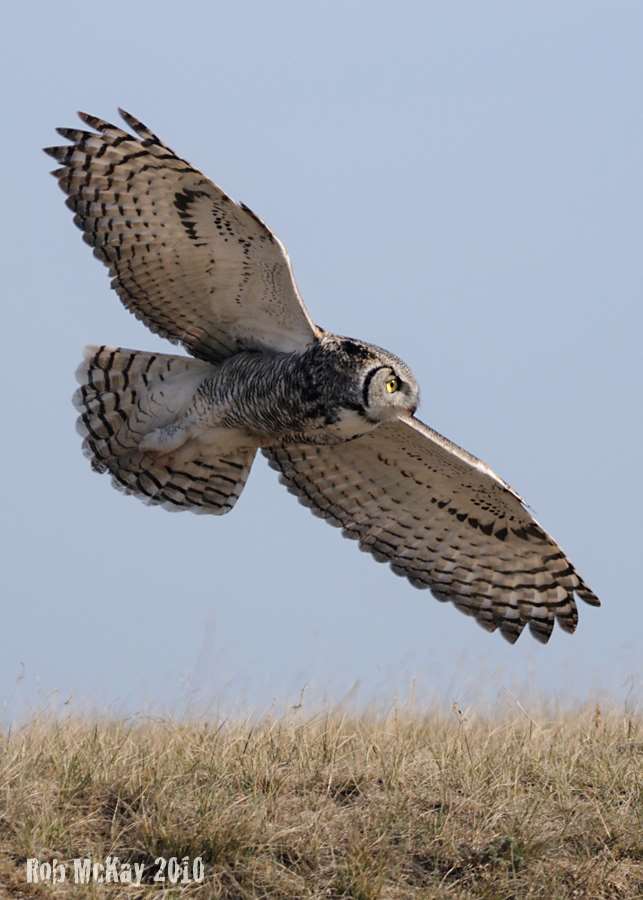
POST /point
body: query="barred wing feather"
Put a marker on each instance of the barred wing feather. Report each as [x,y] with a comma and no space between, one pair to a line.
[442,519]
[195,266]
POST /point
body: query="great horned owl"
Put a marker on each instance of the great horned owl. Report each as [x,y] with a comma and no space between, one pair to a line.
[334,415]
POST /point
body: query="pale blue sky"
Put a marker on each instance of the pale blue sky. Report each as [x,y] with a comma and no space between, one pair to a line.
[458,182]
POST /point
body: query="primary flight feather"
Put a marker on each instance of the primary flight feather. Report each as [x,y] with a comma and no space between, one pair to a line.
[334,415]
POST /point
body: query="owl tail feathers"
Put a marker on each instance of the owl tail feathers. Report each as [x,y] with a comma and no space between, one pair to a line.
[125,398]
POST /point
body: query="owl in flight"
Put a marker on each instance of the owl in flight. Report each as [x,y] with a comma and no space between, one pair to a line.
[334,415]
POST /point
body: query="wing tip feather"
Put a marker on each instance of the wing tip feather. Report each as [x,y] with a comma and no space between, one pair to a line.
[94,121]
[137,126]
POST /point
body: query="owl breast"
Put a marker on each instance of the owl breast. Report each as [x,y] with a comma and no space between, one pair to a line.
[279,398]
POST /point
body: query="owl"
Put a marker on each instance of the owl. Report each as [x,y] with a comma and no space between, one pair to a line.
[333,415]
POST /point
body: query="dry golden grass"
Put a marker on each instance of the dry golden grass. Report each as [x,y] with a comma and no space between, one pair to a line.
[405,805]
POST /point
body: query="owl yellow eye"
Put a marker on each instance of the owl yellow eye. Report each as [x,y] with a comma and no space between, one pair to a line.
[392,385]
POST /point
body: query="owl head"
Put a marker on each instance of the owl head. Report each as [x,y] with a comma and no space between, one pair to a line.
[383,384]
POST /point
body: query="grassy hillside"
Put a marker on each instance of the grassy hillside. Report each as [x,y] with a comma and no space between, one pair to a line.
[401,806]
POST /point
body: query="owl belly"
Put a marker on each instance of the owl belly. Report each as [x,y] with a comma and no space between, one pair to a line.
[277,399]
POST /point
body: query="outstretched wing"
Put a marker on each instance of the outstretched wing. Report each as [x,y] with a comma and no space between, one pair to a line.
[192,264]
[443,520]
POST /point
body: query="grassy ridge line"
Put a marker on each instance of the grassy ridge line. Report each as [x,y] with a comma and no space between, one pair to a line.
[398,806]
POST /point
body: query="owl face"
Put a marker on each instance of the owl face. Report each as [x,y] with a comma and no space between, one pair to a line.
[381,384]
[389,388]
